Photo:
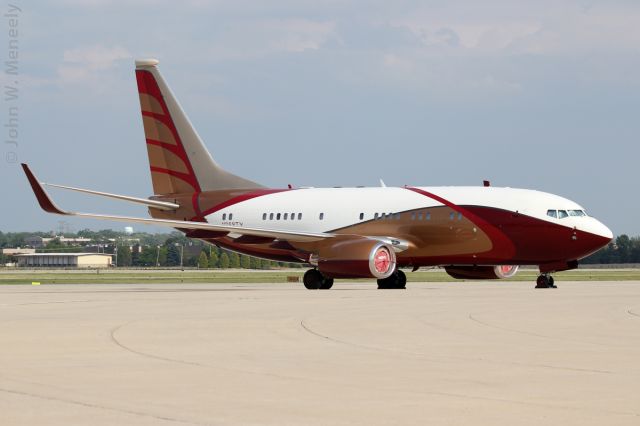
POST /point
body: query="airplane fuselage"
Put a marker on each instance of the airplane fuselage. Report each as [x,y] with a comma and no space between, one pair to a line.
[439,225]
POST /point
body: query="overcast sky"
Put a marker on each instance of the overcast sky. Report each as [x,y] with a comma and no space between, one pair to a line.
[534,94]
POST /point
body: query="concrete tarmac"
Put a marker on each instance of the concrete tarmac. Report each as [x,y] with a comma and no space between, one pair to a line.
[492,353]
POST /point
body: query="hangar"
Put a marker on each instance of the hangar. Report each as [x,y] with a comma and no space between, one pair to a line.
[61,260]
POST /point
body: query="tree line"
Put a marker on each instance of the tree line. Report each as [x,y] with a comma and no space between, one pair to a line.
[206,257]
[144,250]
[623,249]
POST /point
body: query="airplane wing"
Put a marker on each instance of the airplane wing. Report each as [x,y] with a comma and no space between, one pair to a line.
[49,206]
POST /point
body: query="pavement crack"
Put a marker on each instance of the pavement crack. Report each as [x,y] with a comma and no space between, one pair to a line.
[99,406]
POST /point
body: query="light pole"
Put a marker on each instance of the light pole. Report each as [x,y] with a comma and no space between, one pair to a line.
[181,253]
[157,256]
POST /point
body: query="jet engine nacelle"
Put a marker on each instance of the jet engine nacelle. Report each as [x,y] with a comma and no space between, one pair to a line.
[499,272]
[359,258]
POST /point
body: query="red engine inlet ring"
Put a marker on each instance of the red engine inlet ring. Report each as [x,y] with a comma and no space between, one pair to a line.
[382,262]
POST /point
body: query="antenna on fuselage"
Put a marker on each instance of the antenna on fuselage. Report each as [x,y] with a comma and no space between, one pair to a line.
[382,184]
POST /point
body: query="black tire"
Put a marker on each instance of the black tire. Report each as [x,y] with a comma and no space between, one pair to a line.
[401,280]
[396,281]
[542,282]
[384,284]
[552,283]
[327,283]
[313,279]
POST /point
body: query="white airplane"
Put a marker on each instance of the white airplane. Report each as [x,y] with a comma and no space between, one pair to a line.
[473,232]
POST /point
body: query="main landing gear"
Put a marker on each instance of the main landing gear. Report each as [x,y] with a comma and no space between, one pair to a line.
[397,280]
[314,280]
[545,281]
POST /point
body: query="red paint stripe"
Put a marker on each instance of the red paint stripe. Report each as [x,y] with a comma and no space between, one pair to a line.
[241,198]
[501,243]
[171,148]
[182,176]
[195,201]
[161,117]
[166,120]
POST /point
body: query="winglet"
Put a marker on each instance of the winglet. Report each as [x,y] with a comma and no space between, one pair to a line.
[42,196]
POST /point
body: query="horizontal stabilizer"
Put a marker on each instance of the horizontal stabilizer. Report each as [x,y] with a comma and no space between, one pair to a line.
[161,205]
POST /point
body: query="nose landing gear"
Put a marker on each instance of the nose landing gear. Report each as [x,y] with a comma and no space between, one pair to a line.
[545,281]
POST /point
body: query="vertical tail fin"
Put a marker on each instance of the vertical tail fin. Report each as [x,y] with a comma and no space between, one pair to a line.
[179,161]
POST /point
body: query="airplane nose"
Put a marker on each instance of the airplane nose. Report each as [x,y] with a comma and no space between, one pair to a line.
[598,228]
[595,234]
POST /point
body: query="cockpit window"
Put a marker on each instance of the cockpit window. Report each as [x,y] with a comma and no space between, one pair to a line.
[561,214]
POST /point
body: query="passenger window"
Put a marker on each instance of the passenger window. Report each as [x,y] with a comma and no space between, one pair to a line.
[299,216]
[271,216]
[230,216]
[264,216]
[420,216]
[397,216]
[286,216]
[562,214]
[293,216]
[413,215]
[552,213]
[428,216]
[224,216]
[361,216]
[278,216]
[375,216]
[321,216]
[459,216]
[451,215]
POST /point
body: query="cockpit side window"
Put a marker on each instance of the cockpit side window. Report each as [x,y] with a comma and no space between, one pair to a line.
[579,213]
[552,213]
[562,214]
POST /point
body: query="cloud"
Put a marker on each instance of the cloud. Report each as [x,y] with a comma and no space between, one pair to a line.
[251,39]
[545,27]
[86,64]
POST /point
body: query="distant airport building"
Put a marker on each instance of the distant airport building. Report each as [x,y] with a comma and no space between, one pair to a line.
[17,251]
[62,260]
[11,254]
[39,242]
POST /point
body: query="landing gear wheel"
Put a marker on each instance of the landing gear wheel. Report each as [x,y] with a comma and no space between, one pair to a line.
[552,282]
[401,282]
[313,279]
[545,281]
[384,284]
[327,283]
[397,280]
